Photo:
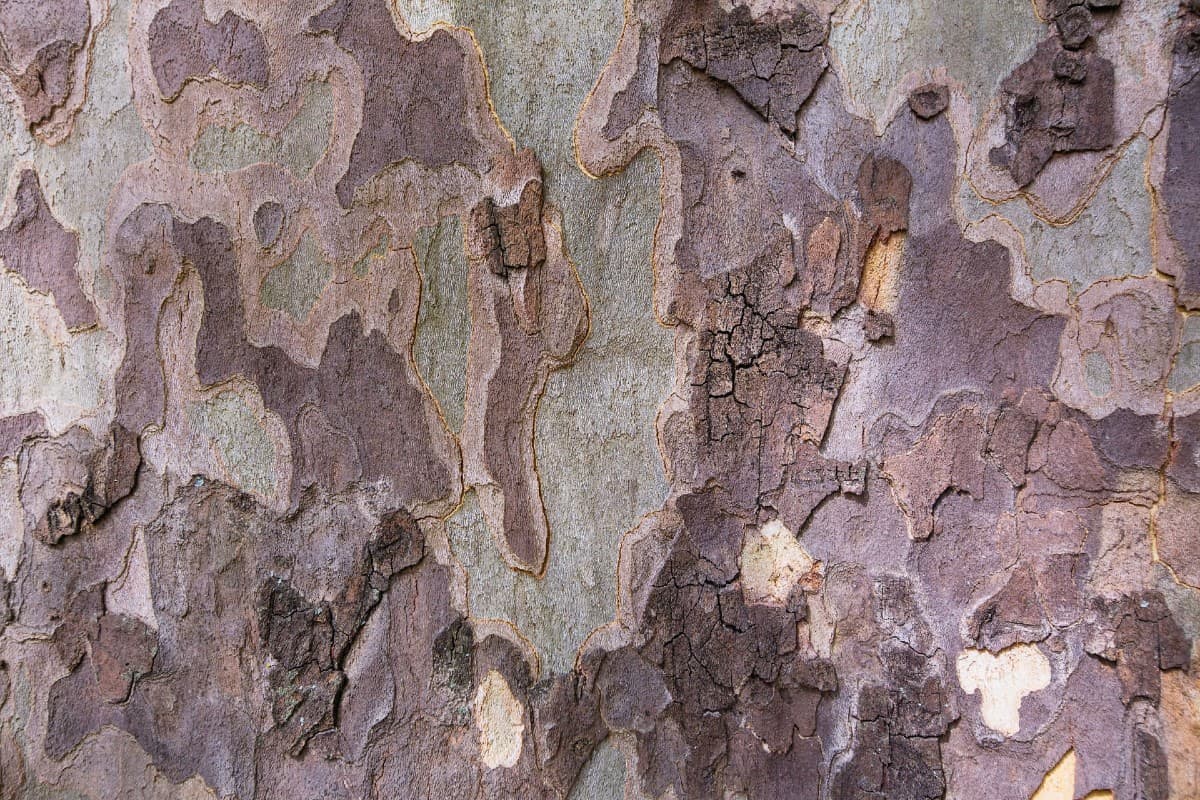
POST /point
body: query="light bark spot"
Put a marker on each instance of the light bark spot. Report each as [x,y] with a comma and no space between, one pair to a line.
[881,268]
[772,562]
[501,722]
[1059,783]
[1003,681]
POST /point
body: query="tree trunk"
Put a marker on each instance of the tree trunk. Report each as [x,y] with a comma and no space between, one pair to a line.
[467,399]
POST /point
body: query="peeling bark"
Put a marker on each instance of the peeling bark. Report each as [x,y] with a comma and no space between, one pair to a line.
[924,522]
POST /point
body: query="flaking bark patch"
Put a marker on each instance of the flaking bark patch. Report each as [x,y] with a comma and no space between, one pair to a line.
[923,525]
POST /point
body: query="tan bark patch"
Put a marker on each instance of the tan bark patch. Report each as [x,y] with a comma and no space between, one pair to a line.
[501,722]
[881,269]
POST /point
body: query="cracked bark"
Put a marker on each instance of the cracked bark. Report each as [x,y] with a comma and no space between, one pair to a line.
[927,525]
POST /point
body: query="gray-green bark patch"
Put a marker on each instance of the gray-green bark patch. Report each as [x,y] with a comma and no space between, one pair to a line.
[294,285]
[299,147]
[595,441]
[444,320]
[877,41]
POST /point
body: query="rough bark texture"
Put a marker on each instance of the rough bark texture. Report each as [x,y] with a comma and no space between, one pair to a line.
[678,399]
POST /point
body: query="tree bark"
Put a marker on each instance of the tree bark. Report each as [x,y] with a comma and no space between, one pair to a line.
[671,399]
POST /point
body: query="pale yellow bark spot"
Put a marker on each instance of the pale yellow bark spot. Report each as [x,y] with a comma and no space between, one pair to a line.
[500,718]
[772,563]
[1003,681]
[1059,783]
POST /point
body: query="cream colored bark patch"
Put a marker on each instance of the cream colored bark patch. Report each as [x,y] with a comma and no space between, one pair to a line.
[1059,783]
[1003,681]
[501,722]
[879,287]
[12,520]
[63,374]
[772,563]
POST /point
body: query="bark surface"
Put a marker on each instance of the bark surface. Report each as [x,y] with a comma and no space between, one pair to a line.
[668,400]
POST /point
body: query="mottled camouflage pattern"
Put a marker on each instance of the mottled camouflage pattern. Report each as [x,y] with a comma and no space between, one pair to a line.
[322,325]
